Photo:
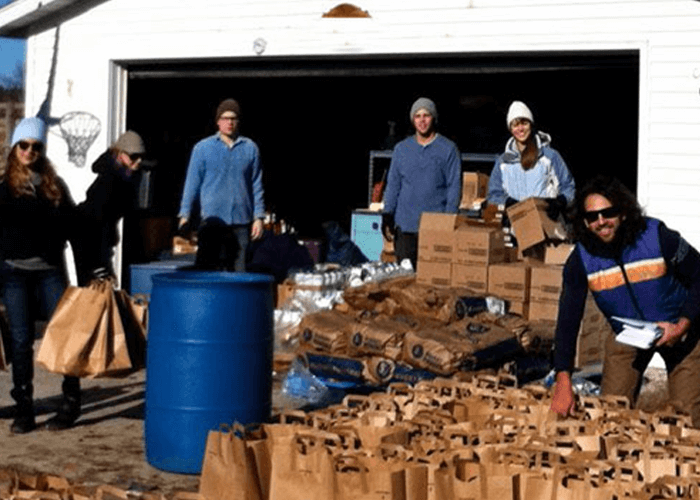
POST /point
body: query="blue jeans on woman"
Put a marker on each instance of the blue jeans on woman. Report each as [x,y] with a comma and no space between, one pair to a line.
[27,296]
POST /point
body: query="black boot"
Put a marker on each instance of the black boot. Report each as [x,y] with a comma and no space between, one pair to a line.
[69,411]
[24,418]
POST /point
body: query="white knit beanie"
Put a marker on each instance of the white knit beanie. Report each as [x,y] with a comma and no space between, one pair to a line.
[518,109]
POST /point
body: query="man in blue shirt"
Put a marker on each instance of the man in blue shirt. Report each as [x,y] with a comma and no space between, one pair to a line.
[225,176]
[424,176]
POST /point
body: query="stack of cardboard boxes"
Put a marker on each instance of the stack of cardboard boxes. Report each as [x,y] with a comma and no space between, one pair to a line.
[459,251]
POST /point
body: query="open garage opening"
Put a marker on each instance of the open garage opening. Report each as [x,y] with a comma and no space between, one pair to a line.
[316,119]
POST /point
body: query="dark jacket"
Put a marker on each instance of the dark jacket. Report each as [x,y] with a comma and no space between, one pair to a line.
[31,226]
[110,197]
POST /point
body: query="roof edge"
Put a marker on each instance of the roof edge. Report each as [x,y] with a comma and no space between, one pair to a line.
[18,17]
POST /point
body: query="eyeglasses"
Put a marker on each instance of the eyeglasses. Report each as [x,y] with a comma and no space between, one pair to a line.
[37,147]
[606,213]
[135,157]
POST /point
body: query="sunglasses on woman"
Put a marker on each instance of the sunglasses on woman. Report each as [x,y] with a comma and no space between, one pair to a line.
[606,213]
[37,147]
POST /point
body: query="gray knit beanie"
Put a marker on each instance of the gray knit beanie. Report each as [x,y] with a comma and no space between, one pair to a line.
[426,104]
[130,142]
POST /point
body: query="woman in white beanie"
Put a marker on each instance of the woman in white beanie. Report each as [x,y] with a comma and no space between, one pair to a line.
[111,196]
[36,213]
[529,167]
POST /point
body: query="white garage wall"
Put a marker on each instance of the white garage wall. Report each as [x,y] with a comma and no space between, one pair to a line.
[666,33]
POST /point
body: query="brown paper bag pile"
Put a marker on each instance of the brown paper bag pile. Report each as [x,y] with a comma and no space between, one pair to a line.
[94,331]
[481,439]
[16,485]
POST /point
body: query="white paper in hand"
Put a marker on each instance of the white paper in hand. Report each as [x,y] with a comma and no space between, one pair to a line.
[637,333]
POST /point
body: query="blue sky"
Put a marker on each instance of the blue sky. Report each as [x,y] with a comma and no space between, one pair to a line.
[11,51]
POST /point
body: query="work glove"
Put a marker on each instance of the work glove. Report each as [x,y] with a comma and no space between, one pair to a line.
[101,273]
[388,226]
[505,221]
[510,202]
[556,207]
[185,230]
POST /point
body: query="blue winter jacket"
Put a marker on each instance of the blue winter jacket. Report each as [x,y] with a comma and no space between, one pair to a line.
[548,178]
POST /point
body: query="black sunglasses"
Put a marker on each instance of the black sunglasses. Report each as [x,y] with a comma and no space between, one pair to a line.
[37,147]
[606,213]
[135,156]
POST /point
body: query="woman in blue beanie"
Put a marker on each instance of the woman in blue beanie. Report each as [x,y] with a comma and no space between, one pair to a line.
[35,213]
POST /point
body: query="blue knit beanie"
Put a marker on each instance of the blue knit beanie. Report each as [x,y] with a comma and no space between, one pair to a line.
[30,128]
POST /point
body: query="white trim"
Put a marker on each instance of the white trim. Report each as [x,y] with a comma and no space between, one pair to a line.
[116,125]
[644,123]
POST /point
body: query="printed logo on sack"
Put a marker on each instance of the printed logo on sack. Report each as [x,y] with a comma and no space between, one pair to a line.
[357,339]
[307,335]
[383,370]
[417,351]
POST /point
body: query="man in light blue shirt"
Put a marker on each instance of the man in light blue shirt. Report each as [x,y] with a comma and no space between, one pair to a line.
[225,176]
[425,175]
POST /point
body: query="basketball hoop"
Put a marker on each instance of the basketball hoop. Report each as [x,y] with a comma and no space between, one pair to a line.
[79,129]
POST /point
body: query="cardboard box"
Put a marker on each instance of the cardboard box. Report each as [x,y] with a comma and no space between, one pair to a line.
[479,244]
[545,283]
[531,225]
[436,242]
[520,308]
[472,276]
[543,310]
[434,273]
[510,281]
[595,329]
[557,254]
[474,185]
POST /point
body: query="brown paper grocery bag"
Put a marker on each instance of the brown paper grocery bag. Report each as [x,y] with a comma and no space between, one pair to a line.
[368,478]
[72,331]
[85,336]
[133,318]
[302,471]
[458,481]
[228,469]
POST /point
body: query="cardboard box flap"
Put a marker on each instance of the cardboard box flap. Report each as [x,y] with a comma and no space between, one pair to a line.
[438,221]
[531,224]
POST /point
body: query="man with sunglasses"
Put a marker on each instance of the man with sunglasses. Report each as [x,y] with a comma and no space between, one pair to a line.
[224,177]
[636,268]
[112,195]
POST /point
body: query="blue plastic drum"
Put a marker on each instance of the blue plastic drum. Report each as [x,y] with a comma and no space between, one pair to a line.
[209,361]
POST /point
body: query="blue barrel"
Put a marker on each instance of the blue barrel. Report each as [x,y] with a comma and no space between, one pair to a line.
[209,361]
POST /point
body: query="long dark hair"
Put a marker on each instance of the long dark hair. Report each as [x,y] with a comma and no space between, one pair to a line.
[18,177]
[631,213]
[529,154]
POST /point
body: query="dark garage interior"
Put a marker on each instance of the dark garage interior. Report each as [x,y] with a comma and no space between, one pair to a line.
[316,119]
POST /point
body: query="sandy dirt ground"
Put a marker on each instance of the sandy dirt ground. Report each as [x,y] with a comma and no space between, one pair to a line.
[106,446]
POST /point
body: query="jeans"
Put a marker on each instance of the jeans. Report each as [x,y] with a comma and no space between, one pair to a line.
[27,296]
[222,247]
[406,247]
